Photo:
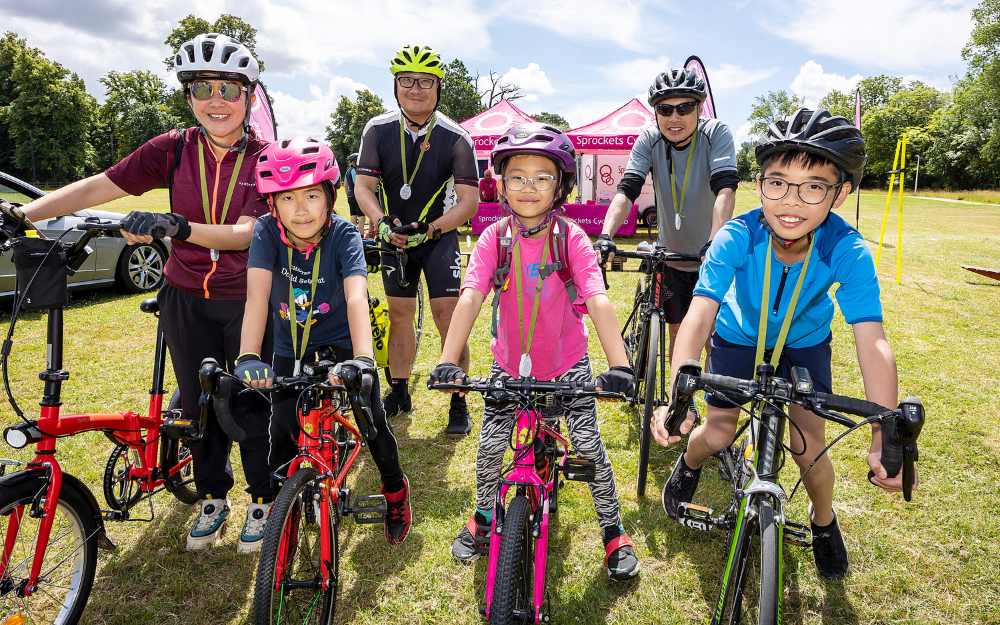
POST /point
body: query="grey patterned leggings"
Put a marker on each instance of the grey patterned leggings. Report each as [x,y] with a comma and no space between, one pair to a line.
[584,433]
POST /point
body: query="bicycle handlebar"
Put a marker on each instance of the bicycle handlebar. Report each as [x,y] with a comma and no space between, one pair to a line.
[377,245]
[660,253]
[528,386]
[900,427]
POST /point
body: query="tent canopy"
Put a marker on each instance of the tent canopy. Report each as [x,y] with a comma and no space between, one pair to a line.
[615,132]
[490,125]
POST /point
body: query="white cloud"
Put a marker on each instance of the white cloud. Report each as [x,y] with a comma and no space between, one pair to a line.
[625,23]
[532,81]
[636,74]
[898,35]
[812,83]
[728,77]
[741,135]
[310,117]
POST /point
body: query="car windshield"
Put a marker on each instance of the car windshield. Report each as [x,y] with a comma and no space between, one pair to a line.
[12,196]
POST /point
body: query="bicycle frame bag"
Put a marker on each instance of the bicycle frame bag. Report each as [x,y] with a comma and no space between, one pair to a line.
[43,263]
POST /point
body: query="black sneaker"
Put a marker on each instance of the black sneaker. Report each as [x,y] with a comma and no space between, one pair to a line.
[458,418]
[619,555]
[396,402]
[680,487]
[829,549]
[464,548]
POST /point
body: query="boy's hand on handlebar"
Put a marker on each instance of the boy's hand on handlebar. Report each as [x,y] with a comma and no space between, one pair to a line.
[253,371]
[660,432]
[447,373]
[605,248]
[619,379]
[880,479]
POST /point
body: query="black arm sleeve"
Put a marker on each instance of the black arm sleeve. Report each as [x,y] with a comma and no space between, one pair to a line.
[463,166]
[368,158]
[631,185]
[726,179]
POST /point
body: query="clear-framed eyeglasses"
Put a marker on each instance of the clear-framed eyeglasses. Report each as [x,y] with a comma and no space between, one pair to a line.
[812,192]
[541,182]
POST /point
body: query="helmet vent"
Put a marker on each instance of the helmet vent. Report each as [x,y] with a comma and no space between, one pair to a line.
[243,62]
[207,49]
[227,53]
[264,174]
[312,150]
[284,143]
[262,159]
[308,167]
[190,52]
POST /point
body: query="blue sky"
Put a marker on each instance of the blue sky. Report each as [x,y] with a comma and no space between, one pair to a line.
[579,58]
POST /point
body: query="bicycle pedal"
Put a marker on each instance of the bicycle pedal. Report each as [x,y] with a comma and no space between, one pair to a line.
[369,509]
[579,469]
[179,428]
[797,534]
[482,539]
[694,516]
[115,515]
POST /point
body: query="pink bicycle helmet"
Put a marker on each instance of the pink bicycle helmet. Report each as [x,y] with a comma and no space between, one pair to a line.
[295,162]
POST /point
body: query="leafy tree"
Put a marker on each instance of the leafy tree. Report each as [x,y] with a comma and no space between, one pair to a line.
[141,123]
[459,95]
[553,119]
[909,111]
[746,162]
[769,108]
[876,91]
[230,25]
[11,48]
[348,122]
[128,93]
[839,103]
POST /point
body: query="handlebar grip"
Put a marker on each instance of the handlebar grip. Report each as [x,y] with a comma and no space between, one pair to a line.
[726,383]
[221,403]
[850,405]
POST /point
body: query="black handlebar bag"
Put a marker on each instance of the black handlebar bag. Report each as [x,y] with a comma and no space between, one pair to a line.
[43,263]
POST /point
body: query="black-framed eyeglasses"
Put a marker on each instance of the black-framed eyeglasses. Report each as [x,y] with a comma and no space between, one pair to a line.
[812,192]
[541,182]
[228,91]
[406,82]
[685,108]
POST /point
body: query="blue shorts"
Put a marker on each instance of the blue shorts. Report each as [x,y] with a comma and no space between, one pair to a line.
[738,361]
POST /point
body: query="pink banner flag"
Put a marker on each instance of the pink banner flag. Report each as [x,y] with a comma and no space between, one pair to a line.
[694,64]
[262,117]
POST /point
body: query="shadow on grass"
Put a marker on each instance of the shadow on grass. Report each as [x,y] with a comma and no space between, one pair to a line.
[377,566]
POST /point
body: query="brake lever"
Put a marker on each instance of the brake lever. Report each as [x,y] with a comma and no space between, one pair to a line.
[911,422]
[681,395]
[401,259]
[362,413]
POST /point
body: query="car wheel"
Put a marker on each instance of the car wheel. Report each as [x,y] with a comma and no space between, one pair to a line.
[649,216]
[140,267]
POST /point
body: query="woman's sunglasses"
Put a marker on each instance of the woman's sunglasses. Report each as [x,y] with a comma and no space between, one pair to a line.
[228,91]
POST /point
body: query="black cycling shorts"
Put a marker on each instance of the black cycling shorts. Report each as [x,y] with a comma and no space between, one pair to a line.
[676,293]
[440,261]
[355,209]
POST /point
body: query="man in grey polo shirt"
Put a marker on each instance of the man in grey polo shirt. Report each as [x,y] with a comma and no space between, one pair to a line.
[693,161]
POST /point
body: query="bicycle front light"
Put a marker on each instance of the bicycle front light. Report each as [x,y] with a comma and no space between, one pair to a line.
[18,436]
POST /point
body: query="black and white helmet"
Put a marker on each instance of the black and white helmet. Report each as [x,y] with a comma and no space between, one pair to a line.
[816,132]
[677,83]
[216,56]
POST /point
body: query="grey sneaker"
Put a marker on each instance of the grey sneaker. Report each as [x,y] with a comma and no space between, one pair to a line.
[253,528]
[210,524]
[464,548]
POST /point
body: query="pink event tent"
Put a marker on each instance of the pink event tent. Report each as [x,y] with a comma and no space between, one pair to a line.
[490,125]
[616,132]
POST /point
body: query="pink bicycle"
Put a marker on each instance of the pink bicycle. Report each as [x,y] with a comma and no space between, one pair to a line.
[515,585]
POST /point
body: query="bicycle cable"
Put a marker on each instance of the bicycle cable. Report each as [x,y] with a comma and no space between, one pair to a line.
[867,421]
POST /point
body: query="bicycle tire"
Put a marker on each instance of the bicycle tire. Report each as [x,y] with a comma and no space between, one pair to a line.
[632,334]
[751,588]
[272,602]
[70,556]
[649,398]
[181,483]
[418,323]
[512,590]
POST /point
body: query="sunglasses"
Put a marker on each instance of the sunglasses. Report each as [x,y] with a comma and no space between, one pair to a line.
[682,109]
[228,91]
[406,82]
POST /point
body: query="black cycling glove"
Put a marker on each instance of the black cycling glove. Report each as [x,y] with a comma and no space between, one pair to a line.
[366,370]
[446,373]
[617,380]
[605,245]
[704,248]
[157,225]
[250,368]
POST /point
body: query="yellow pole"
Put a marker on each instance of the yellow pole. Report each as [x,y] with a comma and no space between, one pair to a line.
[888,201]
[899,237]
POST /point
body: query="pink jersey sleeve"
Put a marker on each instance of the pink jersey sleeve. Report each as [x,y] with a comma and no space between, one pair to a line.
[583,263]
[483,261]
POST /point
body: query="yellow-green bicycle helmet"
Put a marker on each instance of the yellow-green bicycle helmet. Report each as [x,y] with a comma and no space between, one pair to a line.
[421,59]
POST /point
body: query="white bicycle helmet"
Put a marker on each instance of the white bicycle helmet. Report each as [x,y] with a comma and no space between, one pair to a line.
[215,56]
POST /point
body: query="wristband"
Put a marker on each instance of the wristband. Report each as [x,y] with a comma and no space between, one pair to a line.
[247,356]
[183,231]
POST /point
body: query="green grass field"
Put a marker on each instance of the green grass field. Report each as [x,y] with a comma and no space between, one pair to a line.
[931,561]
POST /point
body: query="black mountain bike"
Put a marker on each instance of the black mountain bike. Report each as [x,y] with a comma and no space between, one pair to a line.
[751,589]
[644,334]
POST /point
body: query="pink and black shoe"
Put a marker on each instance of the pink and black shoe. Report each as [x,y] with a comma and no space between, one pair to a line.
[397,513]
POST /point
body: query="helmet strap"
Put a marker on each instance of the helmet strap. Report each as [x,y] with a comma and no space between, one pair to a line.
[783,242]
[437,103]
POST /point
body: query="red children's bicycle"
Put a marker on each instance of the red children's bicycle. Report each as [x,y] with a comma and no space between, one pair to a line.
[51,525]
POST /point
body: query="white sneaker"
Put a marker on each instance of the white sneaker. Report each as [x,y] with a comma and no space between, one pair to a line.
[210,524]
[253,528]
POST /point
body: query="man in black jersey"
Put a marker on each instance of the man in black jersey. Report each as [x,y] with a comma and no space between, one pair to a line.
[427,165]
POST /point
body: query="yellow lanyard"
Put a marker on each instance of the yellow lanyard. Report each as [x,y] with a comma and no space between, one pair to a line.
[765,306]
[526,340]
[209,218]
[684,187]
[423,150]
[296,352]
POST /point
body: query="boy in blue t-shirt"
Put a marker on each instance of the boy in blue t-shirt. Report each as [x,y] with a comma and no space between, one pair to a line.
[308,266]
[810,162]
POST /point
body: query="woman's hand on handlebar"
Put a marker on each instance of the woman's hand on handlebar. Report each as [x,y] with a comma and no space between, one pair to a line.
[660,432]
[880,479]
[447,373]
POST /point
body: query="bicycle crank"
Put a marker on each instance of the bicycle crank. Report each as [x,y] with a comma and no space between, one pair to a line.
[699,517]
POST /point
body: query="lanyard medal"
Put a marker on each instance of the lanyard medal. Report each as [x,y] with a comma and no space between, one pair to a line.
[406,191]
[209,217]
[684,187]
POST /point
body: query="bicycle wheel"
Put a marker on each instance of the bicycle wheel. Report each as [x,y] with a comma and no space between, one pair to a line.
[67,572]
[418,323]
[632,333]
[751,586]
[292,540]
[649,398]
[512,591]
[182,482]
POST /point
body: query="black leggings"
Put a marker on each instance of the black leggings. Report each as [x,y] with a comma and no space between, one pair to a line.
[284,428]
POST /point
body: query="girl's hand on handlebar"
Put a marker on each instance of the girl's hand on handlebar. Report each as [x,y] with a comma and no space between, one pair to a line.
[888,484]
[660,432]
[254,372]
[447,373]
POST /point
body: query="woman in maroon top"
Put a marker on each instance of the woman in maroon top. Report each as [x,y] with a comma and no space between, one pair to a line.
[214,204]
